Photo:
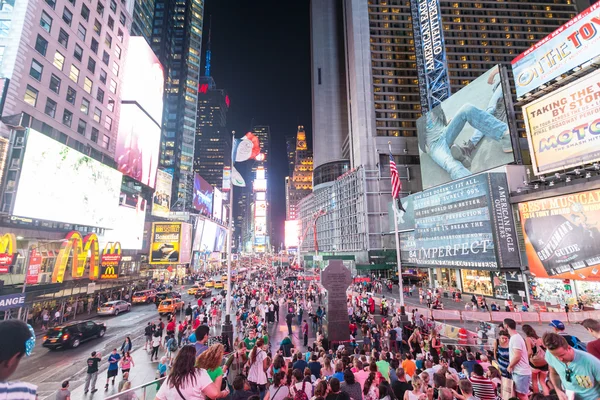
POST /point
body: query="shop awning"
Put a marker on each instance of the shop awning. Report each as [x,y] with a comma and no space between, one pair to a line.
[364,267]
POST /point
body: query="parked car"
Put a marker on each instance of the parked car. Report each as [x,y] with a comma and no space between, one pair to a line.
[143,296]
[203,293]
[72,334]
[170,306]
[114,307]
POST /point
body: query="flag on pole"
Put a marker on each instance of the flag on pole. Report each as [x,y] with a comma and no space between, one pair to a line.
[237,179]
[245,148]
[396,182]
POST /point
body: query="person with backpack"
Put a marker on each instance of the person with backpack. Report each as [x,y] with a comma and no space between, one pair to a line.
[536,353]
[393,334]
[171,346]
[259,363]
[559,328]
[300,389]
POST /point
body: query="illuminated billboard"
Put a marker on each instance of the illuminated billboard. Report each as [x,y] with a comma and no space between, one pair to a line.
[570,46]
[161,201]
[127,226]
[466,134]
[561,236]
[198,234]
[143,78]
[203,196]
[260,185]
[138,145]
[562,127]
[260,173]
[292,233]
[207,244]
[217,204]
[166,242]
[260,196]
[220,239]
[260,226]
[60,184]
[226,179]
[260,208]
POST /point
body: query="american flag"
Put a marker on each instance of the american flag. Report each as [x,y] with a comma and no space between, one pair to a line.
[396,182]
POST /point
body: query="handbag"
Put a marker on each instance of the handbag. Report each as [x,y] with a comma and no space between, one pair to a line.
[538,359]
[508,388]
[179,392]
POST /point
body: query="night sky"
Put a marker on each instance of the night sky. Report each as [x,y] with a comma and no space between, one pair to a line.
[261,57]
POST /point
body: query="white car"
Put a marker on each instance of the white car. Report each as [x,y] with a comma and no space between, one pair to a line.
[114,307]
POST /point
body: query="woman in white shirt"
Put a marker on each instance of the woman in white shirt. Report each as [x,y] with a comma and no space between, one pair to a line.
[278,391]
[185,381]
[259,363]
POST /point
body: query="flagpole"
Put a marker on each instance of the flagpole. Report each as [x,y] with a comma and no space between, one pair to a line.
[227,327]
[398,255]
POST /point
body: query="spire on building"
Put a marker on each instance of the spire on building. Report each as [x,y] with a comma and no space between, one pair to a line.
[208,52]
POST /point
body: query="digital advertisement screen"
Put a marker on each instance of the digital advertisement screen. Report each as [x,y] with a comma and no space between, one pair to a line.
[185,252]
[217,204]
[203,196]
[198,234]
[166,242]
[260,185]
[144,78]
[292,233]
[207,244]
[60,184]
[128,224]
[466,134]
[138,145]
[161,200]
[562,127]
[571,45]
[220,239]
[561,236]
[226,179]
[260,208]
[260,226]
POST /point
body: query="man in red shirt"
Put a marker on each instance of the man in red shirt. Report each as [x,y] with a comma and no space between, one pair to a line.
[593,327]
[196,323]
[171,327]
[371,305]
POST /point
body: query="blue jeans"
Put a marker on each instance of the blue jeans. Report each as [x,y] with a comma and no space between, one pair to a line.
[439,145]
[478,135]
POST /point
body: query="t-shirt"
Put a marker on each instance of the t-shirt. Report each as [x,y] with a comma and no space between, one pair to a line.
[338,396]
[250,343]
[200,348]
[483,388]
[518,343]
[190,389]
[339,376]
[315,368]
[585,374]
[593,348]
[278,393]
[400,388]
[257,373]
[215,373]
[361,376]
[156,341]
[92,363]
[18,391]
[62,394]
[384,368]
[409,367]
[300,364]
[113,361]
[468,365]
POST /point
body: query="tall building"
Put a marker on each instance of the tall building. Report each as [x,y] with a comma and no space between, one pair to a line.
[263,133]
[290,147]
[177,41]
[142,14]
[299,185]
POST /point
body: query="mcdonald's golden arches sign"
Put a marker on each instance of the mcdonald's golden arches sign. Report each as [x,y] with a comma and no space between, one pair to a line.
[111,258]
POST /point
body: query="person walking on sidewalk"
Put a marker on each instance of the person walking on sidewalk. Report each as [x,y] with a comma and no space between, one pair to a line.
[289,318]
[305,333]
[92,372]
[156,340]
[519,364]
[113,367]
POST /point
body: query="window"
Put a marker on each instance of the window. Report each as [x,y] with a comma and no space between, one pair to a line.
[111,22]
[94,136]
[108,122]
[85,106]
[115,68]
[59,60]
[105,141]
[5,27]
[51,3]
[103,76]
[36,70]
[97,114]
[31,96]
[63,38]
[46,22]
[41,45]
[113,86]
[74,74]
[118,52]
[50,107]
[71,95]
[120,35]
[111,104]
[105,57]
[67,16]
[85,12]
[54,83]
[81,126]
[67,118]
[94,46]
[72,2]
[87,85]
[122,19]
[100,8]
[81,32]
[78,52]
[100,95]
[97,27]
[113,6]
[108,41]
[91,65]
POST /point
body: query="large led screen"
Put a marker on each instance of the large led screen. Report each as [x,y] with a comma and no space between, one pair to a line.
[207,244]
[217,204]
[260,208]
[292,233]
[138,144]
[260,226]
[466,134]
[220,239]
[563,127]
[561,236]
[203,196]
[171,243]
[127,226]
[198,234]
[60,184]
[161,200]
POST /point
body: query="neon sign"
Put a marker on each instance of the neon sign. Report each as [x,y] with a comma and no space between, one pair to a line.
[81,250]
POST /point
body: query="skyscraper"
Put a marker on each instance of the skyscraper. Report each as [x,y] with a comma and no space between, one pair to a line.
[299,185]
[142,13]
[177,41]
[290,146]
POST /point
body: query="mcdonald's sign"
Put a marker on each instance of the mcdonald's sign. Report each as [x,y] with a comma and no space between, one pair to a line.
[111,258]
[83,250]
[8,252]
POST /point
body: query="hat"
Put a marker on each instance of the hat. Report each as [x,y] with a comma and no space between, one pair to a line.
[557,324]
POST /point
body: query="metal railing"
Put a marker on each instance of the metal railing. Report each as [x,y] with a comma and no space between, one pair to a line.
[147,391]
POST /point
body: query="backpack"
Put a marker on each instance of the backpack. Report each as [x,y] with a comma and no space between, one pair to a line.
[173,346]
[575,343]
[538,358]
[300,393]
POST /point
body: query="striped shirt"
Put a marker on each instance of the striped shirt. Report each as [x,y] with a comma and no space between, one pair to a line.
[17,391]
[503,357]
[483,388]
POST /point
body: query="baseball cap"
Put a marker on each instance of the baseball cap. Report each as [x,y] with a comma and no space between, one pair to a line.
[557,324]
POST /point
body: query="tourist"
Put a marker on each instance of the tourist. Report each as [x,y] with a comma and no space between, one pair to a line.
[519,364]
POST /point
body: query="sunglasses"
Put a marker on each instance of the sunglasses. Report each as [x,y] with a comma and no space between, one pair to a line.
[568,373]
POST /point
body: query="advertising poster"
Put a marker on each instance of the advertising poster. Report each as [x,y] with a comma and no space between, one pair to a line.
[60,184]
[563,127]
[292,233]
[217,204]
[561,236]
[197,234]
[207,244]
[138,145]
[260,208]
[456,225]
[260,226]
[127,226]
[466,134]
[161,201]
[220,239]
[166,240]
[203,196]
[33,269]
[226,179]
[185,248]
[571,45]
[406,219]
[8,252]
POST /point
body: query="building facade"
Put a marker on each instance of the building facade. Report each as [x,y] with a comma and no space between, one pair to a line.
[142,12]
[299,185]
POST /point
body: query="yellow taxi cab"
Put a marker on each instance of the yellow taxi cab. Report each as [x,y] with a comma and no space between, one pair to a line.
[209,284]
[170,306]
[219,285]
[192,291]
[224,278]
